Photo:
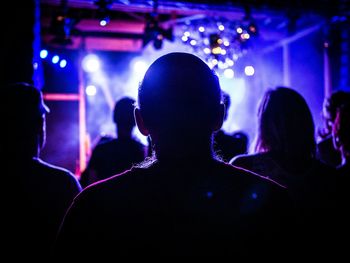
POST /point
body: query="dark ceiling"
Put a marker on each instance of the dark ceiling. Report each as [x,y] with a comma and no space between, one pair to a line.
[321,7]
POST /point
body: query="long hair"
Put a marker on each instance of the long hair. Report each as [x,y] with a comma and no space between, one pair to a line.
[286,125]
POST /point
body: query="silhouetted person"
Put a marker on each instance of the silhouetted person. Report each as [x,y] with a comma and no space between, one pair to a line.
[40,192]
[285,152]
[226,145]
[117,154]
[325,148]
[184,201]
[341,138]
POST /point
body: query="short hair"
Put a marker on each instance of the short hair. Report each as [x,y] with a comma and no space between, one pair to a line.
[179,89]
[285,124]
[123,114]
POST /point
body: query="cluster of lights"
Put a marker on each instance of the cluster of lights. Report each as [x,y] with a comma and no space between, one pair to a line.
[55,59]
[220,43]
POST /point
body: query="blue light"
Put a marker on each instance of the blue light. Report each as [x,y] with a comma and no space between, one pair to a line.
[55,59]
[209,194]
[43,53]
[254,196]
[63,63]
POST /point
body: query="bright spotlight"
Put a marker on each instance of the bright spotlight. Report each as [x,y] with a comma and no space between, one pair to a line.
[103,22]
[63,63]
[249,70]
[91,63]
[55,59]
[43,53]
[228,73]
[140,67]
[91,90]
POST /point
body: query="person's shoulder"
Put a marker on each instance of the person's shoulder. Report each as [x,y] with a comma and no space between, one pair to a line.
[118,183]
[56,174]
[244,159]
[53,169]
[245,176]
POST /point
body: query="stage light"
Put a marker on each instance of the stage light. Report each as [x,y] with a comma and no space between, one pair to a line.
[91,63]
[193,42]
[206,50]
[249,70]
[55,59]
[63,63]
[221,40]
[155,33]
[103,22]
[91,90]
[229,73]
[103,11]
[61,27]
[140,67]
[44,53]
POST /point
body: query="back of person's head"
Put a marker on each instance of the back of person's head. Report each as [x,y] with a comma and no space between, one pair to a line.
[23,109]
[341,129]
[285,124]
[180,95]
[123,114]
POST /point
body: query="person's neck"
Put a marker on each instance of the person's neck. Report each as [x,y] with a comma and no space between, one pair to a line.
[123,134]
[184,153]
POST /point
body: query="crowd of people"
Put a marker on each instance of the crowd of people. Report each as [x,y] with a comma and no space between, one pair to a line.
[195,190]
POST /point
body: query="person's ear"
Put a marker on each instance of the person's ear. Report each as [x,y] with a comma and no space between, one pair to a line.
[219,118]
[140,122]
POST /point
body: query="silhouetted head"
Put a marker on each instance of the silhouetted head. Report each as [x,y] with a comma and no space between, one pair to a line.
[179,100]
[331,105]
[285,124]
[341,130]
[123,114]
[24,113]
